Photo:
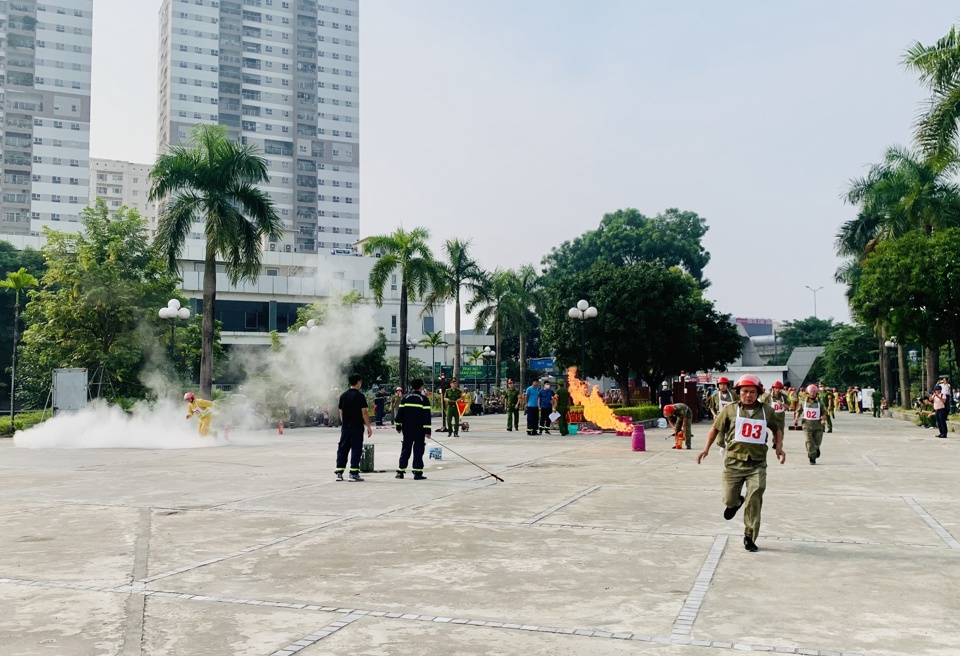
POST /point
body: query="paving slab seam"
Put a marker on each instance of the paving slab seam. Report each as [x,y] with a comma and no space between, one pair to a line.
[874,466]
[944,534]
[269,494]
[643,532]
[241,552]
[387,513]
[566,502]
[317,636]
[683,625]
[359,613]
[526,463]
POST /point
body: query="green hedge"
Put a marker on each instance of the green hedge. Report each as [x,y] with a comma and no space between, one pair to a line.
[640,413]
[21,421]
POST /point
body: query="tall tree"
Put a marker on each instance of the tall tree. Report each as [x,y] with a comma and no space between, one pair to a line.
[16,281]
[526,296]
[432,341]
[652,321]
[627,236]
[493,298]
[96,307]
[938,66]
[214,181]
[406,252]
[458,272]
[905,192]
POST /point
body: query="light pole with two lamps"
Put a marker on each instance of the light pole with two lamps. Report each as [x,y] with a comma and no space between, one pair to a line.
[485,354]
[173,311]
[582,312]
[814,298]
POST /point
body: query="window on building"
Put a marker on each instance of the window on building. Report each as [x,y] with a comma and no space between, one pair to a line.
[393,324]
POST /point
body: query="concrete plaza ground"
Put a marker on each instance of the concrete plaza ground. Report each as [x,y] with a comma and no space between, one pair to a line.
[587,548]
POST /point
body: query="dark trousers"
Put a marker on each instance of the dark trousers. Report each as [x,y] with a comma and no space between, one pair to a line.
[545,418]
[294,415]
[351,441]
[513,418]
[942,421]
[533,415]
[562,420]
[415,443]
[378,415]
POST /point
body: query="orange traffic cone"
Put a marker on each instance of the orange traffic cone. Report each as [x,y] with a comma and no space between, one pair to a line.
[681,440]
[280,428]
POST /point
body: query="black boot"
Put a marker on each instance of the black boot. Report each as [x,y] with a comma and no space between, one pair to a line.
[399,474]
[417,476]
[749,544]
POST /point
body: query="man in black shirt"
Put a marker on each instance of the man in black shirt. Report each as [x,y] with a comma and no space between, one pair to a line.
[665,396]
[413,420]
[353,417]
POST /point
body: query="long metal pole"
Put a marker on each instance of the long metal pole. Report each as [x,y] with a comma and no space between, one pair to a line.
[583,348]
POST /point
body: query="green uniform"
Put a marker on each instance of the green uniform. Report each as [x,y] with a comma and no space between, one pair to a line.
[450,398]
[830,401]
[745,463]
[510,398]
[877,397]
[813,428]
[562,404]
[714,402]
[682,419]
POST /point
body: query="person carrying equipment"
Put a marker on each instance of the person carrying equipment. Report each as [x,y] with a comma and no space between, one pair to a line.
[203,409]
[413,420]
[680,416]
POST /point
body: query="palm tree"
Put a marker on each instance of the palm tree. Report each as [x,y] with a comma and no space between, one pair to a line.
[526,295]
[18,281]
[433,340]
[493,298]
[408,252]
[938,66]
[903,193]
[458,272]
[214,181]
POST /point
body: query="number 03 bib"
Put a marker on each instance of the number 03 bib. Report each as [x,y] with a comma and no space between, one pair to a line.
[750,431]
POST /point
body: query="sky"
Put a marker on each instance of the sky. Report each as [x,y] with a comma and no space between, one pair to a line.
[519,123]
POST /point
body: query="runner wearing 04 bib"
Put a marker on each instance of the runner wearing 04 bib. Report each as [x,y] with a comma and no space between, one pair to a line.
[813,413]
[722,397]
[742,427]
[776,399]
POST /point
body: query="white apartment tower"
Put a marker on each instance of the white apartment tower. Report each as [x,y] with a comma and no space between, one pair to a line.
[282,75]
[123,183]
[45,90]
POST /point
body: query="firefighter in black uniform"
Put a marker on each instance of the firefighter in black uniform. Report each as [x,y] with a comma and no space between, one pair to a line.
[413,420]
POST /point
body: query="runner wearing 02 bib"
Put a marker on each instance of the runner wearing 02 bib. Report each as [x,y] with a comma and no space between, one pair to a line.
[812,412]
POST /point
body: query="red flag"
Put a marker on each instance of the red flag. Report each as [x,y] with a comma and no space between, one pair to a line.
[461,407]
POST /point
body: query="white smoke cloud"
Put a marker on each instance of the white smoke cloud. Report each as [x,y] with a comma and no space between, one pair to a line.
[312,364]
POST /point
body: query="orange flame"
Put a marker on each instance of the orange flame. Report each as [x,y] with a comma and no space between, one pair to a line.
[595,410]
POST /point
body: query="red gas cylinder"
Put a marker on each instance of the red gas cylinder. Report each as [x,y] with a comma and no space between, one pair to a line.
[639,438]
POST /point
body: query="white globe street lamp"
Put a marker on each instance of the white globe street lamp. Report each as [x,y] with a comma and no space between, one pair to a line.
[582,312]
[173,311]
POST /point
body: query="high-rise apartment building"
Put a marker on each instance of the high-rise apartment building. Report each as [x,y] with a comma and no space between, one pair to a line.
[123,183]
[281,75]
[45,89]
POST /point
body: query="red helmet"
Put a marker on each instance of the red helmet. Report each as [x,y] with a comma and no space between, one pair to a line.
[723,379]
[777,385]
[668,410]
[188,396]
[748,380]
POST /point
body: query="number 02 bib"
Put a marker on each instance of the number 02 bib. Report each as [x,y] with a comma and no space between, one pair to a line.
[750,431]
[812,414]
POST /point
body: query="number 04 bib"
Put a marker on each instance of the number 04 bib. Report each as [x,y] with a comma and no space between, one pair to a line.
[750,431]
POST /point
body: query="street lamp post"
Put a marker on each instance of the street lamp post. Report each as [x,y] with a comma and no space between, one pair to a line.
[173,311]
[891,396]
[487,353]
[814,298]
[582,312]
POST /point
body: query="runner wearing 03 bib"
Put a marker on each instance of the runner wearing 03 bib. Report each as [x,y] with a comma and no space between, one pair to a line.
[813,413]
[742,428]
